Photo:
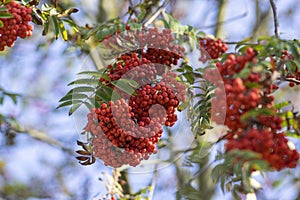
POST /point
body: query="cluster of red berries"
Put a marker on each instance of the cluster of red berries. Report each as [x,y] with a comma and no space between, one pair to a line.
[17,26]
[154,40]
[148,96]
[126,133]
[157,46]
[272,146]
[131,66]
[117,139]
[259,133]
[211,48]
[286,57]
[127,130]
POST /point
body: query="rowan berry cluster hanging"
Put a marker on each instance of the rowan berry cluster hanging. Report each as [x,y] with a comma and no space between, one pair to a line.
[17,26]
[260,133]
[126,131]
[160,46]
[211,48]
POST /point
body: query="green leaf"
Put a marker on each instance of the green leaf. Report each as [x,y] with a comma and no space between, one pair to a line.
[103,96]
[72,24]
[257,112]
[68,12]
[45,28]
[68,103]
[125,85]
[74,108]
[99,74]
[1,24]
[12,96]
[5,15]
[293,49]
[292,135]
[217,172]
[101,34]
[3,9]
[166,24]
[56,26]
[73,96]
[81,89]
[184,105]
[141,15]
[85,81]
[63,31]
[282,104]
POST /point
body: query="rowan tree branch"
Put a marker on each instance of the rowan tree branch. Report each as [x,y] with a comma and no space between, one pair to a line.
[156,13]
[41,136]
[220,18]
[275,18]
[292,80]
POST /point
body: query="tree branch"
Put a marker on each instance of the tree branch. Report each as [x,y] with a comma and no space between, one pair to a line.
[156,13]
[153,182]
[220,18]
[292,80]
[41,136]
[275,17]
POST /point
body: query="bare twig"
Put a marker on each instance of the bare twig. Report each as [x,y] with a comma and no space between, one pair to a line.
[201,171]
[275,16]
[153,182]
[292,80]
[156,13]
[234,43]
[41,136]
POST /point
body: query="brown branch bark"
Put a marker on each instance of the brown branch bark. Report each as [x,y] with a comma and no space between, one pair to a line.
[275,18]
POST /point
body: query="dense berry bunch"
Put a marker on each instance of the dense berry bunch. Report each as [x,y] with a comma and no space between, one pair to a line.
[234,99]
[131,65]
[273,147]
[259,133]
[147,96]
[126,131]
[135,128]
[17,26]
[117,140]
[211,48]
[157,46]
[154,39]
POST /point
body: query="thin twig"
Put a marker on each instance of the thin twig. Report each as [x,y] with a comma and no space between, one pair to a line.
[41,136]
[292,80]
[201,171]
[275,16]
[153,182]
[156,14]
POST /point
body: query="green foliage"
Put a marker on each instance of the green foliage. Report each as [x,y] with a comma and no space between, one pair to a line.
[234,172]
[12,96]
[199,107]
[91,92]
[3,12]
[54,20]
